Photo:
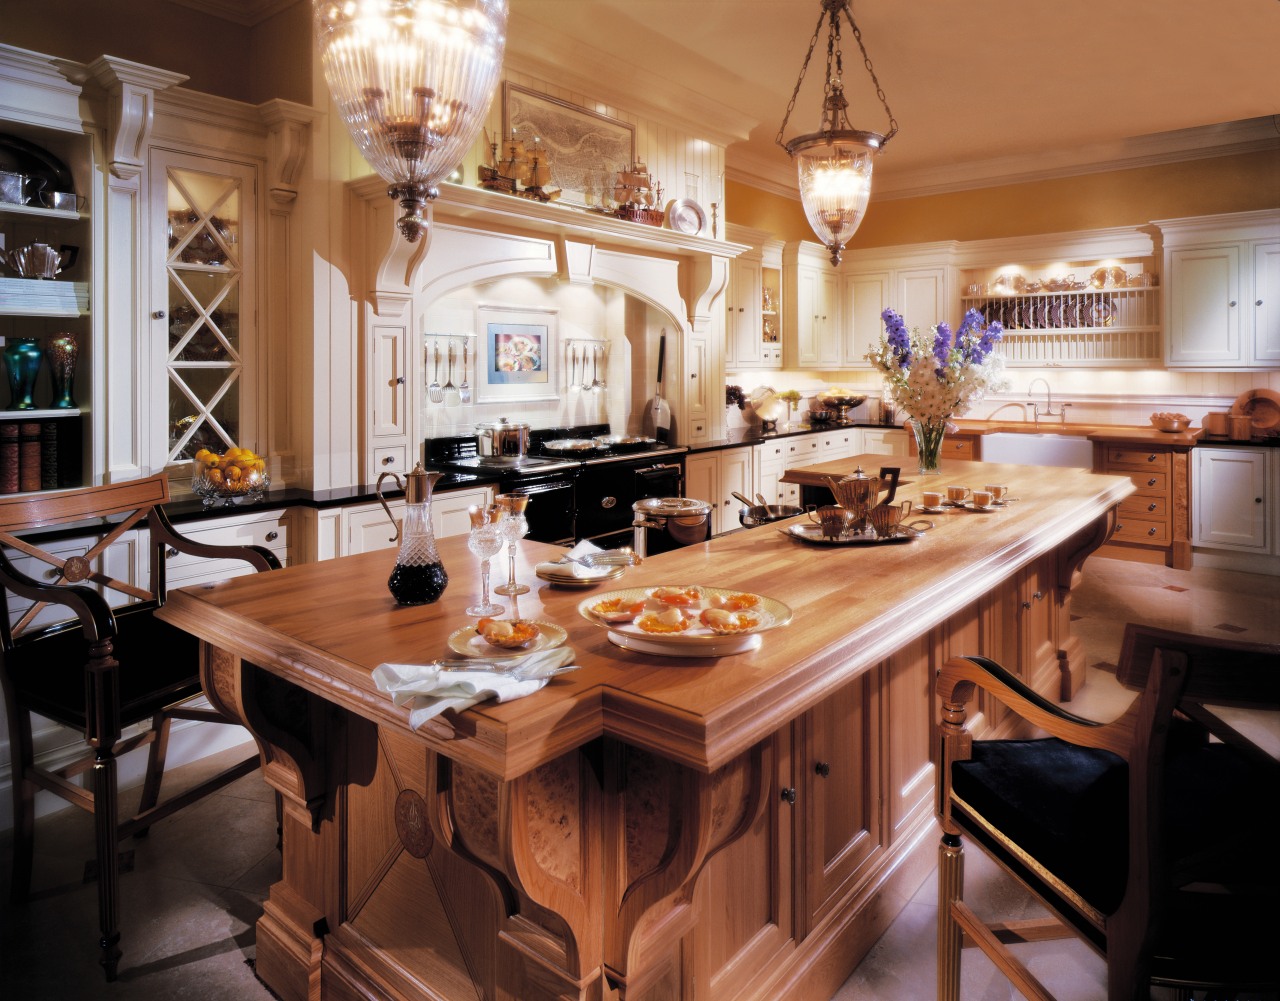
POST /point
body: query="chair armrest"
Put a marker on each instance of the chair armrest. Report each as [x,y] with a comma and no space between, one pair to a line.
[95,615]
[960,676]
[259,557]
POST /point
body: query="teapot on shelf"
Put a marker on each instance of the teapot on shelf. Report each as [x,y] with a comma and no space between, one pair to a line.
[859,493]
[39,260]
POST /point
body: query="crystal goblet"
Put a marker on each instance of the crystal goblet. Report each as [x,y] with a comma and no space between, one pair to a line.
[514,527]
[485,542]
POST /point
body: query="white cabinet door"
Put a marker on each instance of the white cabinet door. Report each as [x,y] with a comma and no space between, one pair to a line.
[921,296]
[714,476]
[449,510]
[890,441]
[702,482]
[696,388]
[839,443]
[744,343]
[770,464]
[1266,304]
[1229,501]
[865,298]
[1204,306]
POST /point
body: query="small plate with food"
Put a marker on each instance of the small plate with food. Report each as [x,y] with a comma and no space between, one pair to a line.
[685,620]
[494,638]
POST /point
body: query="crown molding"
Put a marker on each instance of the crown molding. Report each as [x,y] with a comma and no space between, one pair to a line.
[244,12]
[1225,139]
[551,56]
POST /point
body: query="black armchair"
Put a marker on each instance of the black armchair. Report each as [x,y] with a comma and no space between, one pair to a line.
[109,664]
[1151,837]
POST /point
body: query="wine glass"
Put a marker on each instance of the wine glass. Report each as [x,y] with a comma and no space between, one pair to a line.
[485,542]
[513,527]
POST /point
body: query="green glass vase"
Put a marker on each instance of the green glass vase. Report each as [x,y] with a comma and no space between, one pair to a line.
[22,358]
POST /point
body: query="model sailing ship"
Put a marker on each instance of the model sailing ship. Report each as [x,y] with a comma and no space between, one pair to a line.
[522,169]
[639,198]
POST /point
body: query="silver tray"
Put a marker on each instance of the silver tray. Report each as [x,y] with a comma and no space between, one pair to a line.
[813,534]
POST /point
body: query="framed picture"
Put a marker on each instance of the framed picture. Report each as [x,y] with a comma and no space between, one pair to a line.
[586,149]
[516,349]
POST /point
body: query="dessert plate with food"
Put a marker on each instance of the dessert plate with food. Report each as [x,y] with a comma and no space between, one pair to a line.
[495,638]
[685,620]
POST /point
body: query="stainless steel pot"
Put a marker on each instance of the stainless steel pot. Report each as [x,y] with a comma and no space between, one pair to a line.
[675,522]
[509,439]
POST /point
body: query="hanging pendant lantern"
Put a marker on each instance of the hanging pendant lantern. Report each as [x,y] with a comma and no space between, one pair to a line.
[413,80]
[834,164]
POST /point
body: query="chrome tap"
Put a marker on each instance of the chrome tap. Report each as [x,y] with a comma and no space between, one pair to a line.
[1060,413]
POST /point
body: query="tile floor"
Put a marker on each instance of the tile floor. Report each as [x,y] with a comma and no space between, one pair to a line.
[198,882]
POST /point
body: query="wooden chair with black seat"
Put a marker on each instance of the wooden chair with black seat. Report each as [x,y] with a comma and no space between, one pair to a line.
[1151,837]
[99,666]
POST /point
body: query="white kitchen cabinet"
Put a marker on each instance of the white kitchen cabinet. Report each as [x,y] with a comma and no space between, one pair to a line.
[272,529]
[770,464]
[916,288]
[1229,499]
[364,528]
[1222,291]
[885,441]
[714,477]
[811,300]
[838,443]
[744,345]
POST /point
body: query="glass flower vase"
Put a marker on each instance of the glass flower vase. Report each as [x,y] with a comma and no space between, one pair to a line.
[929,435]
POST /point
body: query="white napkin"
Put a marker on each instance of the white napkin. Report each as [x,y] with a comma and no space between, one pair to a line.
[429,691]
[577,569]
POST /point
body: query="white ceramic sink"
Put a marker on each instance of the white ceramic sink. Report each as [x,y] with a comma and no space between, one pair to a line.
[1074,451]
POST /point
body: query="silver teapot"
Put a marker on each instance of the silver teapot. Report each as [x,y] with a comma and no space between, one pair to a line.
[39,260]
[859,493]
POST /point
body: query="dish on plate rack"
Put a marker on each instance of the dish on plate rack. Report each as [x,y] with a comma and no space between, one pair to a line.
[468,643]
[744,616]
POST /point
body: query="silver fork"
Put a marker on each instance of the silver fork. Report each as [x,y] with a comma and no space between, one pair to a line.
[451,398]
[434,393]
[607,558]
[464,390]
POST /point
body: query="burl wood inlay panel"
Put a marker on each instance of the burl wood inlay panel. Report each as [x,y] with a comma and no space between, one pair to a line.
[474,800]
[553,813]
[649,784]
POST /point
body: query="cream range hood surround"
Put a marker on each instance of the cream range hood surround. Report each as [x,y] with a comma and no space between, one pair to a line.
[477,237]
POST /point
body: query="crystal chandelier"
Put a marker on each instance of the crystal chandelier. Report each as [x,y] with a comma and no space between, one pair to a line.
[413,80]
[835,162]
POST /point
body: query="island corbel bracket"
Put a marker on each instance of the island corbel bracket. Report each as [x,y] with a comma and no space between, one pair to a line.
[663,822]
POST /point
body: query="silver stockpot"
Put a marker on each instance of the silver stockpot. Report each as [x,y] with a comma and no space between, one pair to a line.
[508,439]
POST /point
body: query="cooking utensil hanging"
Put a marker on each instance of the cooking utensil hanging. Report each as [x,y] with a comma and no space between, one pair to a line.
[659,411]
[464,389]
[451,397]
[434,393]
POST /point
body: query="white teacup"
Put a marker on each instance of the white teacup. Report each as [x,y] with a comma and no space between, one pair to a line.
[932,498]
[956,495]
[998,491]
[983,498]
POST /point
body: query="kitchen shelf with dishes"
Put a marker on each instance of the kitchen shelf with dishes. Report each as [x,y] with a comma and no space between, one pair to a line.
[1110,317]
[46,236]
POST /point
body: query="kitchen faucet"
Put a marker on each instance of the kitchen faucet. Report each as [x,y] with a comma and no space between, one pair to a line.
[1061,412]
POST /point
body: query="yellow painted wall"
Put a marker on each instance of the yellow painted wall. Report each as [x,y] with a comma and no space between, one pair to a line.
[1117,198]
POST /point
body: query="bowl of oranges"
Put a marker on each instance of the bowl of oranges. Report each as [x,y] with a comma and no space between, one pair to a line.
[237,476]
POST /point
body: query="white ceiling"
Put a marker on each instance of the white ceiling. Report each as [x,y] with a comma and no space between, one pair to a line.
[980,88]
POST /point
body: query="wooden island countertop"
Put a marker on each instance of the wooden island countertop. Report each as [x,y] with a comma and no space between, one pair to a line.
[686,755]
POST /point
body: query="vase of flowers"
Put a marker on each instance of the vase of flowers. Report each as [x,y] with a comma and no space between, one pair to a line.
[936,376]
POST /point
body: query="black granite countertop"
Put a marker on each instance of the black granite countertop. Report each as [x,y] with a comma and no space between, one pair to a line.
[1222,441]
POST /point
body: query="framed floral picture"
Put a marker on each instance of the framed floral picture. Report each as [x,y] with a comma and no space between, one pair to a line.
[586,148]
[515,353]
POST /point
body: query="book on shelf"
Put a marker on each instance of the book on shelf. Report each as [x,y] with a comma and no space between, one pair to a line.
[8,458]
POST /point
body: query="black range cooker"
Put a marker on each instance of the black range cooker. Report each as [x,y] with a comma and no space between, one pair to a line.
[582,480]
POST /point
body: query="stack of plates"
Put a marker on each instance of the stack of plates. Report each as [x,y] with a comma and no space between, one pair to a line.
[565,577]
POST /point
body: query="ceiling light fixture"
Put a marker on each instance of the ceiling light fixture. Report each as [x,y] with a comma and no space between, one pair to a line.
[835,162]
[413,80]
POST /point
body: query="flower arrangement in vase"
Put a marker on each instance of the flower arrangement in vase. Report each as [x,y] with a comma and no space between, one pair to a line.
[936,376]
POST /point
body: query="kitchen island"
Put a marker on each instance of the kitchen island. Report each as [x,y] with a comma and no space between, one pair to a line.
[645,827]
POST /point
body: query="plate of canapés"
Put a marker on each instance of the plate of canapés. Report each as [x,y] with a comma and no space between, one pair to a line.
[494,638]
[685,620]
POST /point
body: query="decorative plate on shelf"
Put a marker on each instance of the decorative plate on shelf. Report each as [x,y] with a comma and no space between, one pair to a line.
[686,216]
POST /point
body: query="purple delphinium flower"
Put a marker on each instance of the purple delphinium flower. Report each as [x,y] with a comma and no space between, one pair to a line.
[898,337]
[942,347]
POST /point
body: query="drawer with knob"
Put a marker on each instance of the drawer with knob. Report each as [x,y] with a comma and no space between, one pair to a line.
[1141,530]
[269,529]
[1129,457]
